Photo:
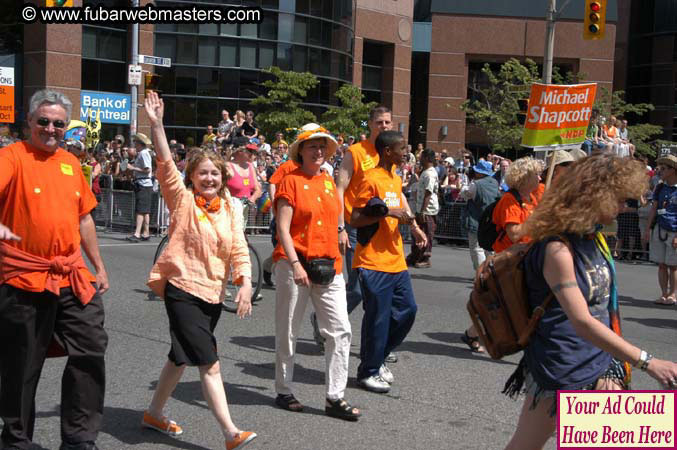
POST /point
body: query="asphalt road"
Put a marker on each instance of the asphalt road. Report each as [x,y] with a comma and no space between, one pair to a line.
[444,397]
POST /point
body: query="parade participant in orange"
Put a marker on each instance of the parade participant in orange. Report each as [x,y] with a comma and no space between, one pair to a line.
[308,267]
[206,243]
[46,290]
[389,304]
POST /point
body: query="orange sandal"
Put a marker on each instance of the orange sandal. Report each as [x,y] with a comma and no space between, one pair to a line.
[243,438]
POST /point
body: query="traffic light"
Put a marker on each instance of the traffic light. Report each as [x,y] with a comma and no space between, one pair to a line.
[59,3]
[595,19]
[151,82]
[523,104]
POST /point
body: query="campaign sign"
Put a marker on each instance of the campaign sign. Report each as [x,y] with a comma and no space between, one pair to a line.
[111,107]
[558,114]
[668,149]
[7,94]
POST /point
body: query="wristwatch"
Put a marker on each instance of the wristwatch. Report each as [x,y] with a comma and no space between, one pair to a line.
[341,228]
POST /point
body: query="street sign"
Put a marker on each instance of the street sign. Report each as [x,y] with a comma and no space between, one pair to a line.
[109,106]
[155,60]
[7,94]
[134,75]
[669,149]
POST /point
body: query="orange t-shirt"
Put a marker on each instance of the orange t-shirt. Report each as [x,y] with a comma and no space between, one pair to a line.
[508,211]
[365,157]
[314,225]
[385,251]
[43,196]
[286,168]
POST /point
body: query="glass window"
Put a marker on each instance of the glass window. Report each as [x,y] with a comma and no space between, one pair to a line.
[229,82]
[167,80]
[286,26]
[299,58]
[229,29]
[272,4]
[209,28]
[326,63]
[303,6]
[316,7]
[300,29]
[324,91]
[371,78]
[112,45]
[112,77]
[248,55]
[228,55]
[334,69]
[186,80]
[315,31]
[165,27]
[170,106]
[326,35]
[208,112]
[249,30]
[186,49]
[268,27]
[287,6]
[315,60]
[266,55]
[88,42]
[284,56]
[90,75]
[343,67]
[187,28]
[208,82]
[208,52]
[185,112]
[165,46]
[249,81]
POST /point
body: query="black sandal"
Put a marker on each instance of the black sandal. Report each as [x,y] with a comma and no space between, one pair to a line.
[341,409]
[472,342]
[288,402]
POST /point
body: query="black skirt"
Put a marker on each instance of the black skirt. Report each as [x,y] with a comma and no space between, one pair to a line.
[191,325]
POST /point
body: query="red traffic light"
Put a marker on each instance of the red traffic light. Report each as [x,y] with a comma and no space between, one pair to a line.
[595,6]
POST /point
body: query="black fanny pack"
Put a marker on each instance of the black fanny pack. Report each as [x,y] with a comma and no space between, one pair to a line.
[320,270]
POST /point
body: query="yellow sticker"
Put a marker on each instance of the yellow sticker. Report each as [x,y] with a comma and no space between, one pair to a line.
[77,193]
[328,185]
[202,218]
[392,200]
[66,169]
[245,181]
[36,190]
[368,163]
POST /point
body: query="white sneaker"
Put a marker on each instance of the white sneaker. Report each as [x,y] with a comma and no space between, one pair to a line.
[385,374]
[374,383]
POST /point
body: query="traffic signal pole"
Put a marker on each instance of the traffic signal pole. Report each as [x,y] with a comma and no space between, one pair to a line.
[134,89]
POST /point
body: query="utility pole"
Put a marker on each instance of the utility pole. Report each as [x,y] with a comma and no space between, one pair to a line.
[550,19]
[134,88]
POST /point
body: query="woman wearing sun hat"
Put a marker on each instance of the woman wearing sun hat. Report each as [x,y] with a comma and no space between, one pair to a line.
[309,267]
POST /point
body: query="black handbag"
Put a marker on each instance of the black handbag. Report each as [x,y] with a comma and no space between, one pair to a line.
[320,270]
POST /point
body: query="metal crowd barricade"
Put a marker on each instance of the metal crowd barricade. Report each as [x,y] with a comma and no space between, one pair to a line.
[450,225]
[258,220]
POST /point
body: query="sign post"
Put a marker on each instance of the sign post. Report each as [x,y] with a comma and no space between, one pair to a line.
[7,94]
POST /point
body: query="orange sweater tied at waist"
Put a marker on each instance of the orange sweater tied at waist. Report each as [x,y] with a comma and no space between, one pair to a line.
[15,262]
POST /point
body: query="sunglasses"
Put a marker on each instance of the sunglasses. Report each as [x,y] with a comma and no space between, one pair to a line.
[44,122]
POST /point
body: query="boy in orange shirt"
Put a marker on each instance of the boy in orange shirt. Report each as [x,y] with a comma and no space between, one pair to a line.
[389,304]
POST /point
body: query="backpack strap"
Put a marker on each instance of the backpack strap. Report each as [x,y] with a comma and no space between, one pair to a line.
[539,311]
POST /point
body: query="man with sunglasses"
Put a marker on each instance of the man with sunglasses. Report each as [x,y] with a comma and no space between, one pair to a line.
[47,294]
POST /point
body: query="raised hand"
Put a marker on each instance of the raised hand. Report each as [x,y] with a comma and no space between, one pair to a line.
[155,108]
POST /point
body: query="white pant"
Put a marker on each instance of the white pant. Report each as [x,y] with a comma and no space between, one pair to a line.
[332,318]
[476,252]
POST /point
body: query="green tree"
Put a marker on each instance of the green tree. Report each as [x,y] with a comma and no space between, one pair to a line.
[280,109]
[494,105]
[641,134]
[348,117]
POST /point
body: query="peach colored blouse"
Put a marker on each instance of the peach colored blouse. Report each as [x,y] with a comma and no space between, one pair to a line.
[201,250]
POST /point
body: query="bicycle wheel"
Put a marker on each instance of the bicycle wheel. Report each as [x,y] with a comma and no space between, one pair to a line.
[161,247]
[228,303]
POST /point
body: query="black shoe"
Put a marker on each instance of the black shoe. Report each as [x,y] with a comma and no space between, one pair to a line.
[268,278]
[132,238]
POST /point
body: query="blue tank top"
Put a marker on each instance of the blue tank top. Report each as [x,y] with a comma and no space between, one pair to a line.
[557,357]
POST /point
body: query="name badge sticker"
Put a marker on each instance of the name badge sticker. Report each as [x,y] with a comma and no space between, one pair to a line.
[66,169]
[368,163]
[661,211]
[392,200]
[328,185]
[245,181]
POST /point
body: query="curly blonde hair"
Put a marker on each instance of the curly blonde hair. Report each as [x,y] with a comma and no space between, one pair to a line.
[588,193]
[519,171]
[195,156]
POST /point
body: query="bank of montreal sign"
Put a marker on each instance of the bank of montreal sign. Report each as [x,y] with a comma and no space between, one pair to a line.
[111,107]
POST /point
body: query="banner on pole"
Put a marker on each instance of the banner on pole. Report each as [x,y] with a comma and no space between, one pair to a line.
[558,114]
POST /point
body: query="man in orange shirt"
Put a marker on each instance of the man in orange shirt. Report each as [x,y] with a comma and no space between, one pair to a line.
[359,158]
[389,304]
[46,290]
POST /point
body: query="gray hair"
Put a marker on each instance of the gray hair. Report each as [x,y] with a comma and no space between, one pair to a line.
[50,97]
